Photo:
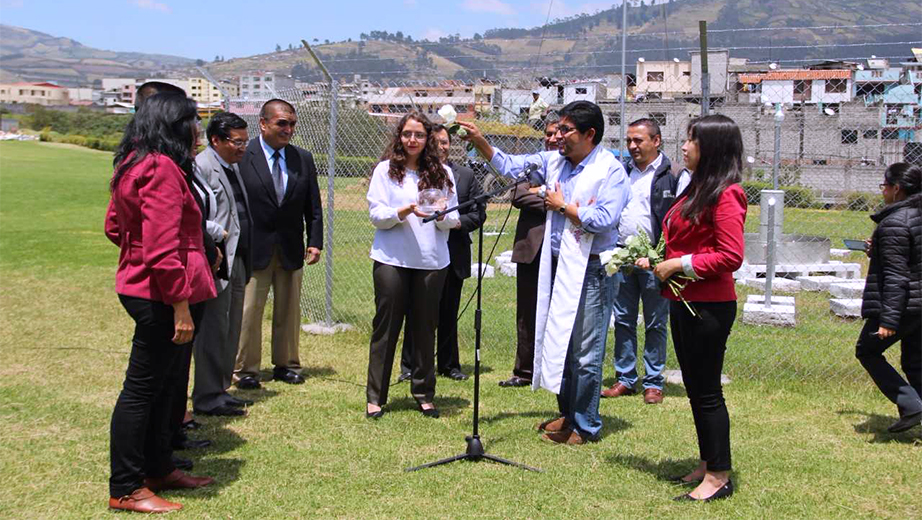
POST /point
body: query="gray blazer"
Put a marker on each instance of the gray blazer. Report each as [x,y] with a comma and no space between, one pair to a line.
[224,212]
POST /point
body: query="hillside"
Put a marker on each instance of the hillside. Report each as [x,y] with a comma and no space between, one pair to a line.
[589,45]
[27,55]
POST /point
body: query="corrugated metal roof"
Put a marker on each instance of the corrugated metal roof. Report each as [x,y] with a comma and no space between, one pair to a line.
[787,75]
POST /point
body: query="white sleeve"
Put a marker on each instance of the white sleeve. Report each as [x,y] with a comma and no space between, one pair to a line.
[382,215]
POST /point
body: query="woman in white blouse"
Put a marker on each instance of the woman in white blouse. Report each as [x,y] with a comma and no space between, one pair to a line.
[410,260]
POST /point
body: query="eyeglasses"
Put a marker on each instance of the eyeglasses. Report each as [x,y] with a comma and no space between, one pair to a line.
[564,130]
[407,134]
[882,185]
[237,143]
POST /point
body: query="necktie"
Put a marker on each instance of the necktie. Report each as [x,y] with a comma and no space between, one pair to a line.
[277,176]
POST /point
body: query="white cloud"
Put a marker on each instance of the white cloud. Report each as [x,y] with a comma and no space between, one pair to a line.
[489,6]
[560,9]
[433,34]
[152,5]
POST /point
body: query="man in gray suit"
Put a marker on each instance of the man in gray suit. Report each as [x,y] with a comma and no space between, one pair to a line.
[216,343]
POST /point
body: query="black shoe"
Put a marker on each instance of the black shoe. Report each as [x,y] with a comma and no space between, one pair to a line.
[404,376]
[191,425]
[429,412]
[238,402]
[288,376]
[905,423]
[224,410]
[515,381]
[248,383]
[455,374]
[724,492]
[191,444]
[181,463]
[374,415]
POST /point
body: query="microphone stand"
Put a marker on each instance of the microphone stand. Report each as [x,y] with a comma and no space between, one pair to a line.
[475,451]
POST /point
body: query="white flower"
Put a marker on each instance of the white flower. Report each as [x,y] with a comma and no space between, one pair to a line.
[605,256]
[448,114]
[462,131]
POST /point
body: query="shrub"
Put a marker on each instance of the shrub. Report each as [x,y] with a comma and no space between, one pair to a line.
[862,201]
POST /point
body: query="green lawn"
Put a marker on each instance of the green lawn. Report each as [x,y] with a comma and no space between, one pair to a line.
[809,431]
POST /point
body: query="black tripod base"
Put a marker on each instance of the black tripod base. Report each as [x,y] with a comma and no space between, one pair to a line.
[474,453]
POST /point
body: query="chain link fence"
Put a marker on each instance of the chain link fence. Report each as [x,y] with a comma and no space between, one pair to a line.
[820,136]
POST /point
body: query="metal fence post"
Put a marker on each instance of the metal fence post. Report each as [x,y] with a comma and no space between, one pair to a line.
[331,169]
[779,118]
[705,75]
[770,253]
[623,75]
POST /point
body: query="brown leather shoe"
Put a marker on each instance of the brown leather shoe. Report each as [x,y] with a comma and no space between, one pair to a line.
[143,500]
[653,396]
[556,424]
[617,390]
[177,480]
[565,437]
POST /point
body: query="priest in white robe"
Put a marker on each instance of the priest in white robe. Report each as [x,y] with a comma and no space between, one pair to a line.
[585,189]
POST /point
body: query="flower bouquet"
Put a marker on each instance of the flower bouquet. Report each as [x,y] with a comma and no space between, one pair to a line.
[640,246]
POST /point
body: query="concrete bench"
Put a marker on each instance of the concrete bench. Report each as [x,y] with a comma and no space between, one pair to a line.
[846,307]
[835,268]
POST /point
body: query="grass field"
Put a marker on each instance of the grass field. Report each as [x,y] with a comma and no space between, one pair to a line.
[808,431]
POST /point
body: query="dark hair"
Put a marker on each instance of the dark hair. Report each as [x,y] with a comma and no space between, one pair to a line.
[652,126]
[551,118]
[905,175]
[222,123]
[438,128]
[720,162]
[264,111]
[430,170]
[164,125]
[154,87]
[585,115]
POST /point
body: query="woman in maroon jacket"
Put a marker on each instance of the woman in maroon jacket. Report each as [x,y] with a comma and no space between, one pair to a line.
[162,276]
[704,241]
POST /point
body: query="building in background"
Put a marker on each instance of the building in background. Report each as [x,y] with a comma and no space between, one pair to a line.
[662,79]
[257,85]
[47,94]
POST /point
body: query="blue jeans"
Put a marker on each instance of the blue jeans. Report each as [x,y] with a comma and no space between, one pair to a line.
[582,374]
[631,289]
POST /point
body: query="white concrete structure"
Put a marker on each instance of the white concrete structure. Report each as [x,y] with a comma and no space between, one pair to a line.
[488,271]
[585,91]
[836,268]
[801,86]
[781,313]
[663,79]
[778,284]
[845,307]
[818,283]
[849,289]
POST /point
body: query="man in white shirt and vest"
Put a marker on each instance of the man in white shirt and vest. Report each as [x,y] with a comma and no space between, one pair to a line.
[653,190]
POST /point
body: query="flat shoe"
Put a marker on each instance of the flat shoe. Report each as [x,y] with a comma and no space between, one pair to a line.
[177,480]
[375,415]
[905,423]
[222,410]
[429,412]
[191,425]
[726,491]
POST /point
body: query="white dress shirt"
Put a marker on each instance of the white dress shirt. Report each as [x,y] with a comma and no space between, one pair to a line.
[637,213]
[409,242]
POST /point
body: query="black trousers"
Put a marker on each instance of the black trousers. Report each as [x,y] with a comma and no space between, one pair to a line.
[446,351]
[700,345]
[526,305]
[142,422]
[870,352]
[411,294]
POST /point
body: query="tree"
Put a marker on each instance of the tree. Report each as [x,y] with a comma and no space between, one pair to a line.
[291,47]
[217,58]
[326,42]
[199,63]
[398,36]
[363,36]
[477,37]
[278,47]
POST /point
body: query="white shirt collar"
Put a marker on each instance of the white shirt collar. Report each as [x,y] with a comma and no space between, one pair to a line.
[269,151]
[221,161]
[652,167]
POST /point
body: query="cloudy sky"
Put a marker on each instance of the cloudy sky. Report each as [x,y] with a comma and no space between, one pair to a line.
[233,28]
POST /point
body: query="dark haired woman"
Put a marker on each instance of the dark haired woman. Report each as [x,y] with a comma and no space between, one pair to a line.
[892,300]
[410,260]
[162,276]
[704,241]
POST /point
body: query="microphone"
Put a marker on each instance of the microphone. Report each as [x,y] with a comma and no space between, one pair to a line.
[529,173]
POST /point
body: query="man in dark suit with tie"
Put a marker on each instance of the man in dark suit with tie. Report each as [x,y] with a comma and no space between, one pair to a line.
[526,252]
[216,343]
[459,250]
[281,184]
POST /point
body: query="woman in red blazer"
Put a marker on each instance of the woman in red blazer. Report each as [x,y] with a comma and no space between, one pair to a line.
[704,241]
[162,276]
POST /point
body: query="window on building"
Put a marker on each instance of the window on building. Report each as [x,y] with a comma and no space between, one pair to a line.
[462,109]
[659,117]
[801,86]
[890,134]
[654,75]
[582,90]
[849,136]
[893,113]
[614,118]
[836,86]
[449,93]
[686,73]
[869,134]
[819,162]
[267,79]
[376,109]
